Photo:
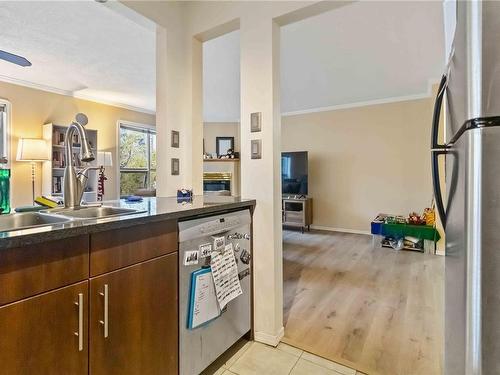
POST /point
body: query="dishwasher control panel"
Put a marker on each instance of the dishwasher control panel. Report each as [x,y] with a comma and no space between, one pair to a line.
[219,225]
[196,228]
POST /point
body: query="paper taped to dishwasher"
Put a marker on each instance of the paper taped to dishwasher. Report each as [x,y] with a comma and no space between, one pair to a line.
[225,275]
[203,305]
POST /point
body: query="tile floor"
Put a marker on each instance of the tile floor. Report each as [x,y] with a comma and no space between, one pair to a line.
[253,358]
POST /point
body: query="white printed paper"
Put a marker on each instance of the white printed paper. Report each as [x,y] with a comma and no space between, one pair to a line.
[225,275]
[205,306]
[205,250]
[191,257]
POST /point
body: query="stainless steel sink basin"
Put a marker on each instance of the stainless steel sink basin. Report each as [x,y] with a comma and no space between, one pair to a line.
[28,220]
[94,212]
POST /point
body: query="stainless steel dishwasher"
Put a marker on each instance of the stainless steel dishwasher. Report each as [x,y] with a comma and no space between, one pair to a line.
[200,346]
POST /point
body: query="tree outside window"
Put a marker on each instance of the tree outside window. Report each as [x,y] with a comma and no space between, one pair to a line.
[137,159]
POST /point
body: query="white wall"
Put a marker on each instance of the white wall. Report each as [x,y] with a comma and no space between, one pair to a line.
[364,161]
[221,78]
[178,95]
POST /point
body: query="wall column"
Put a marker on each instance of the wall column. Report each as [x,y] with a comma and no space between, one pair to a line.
[178,107]
[260,178]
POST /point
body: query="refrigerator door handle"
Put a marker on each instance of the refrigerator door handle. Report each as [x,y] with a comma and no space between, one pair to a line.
[438,149]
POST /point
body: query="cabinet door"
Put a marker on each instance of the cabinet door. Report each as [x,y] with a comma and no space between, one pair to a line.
[41,334]
[133,319]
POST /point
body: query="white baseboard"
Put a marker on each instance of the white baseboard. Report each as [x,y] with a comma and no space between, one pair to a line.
[345,230]
[268,339]
[440,252]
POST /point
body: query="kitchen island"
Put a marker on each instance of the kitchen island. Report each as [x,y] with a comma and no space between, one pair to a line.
[97,296]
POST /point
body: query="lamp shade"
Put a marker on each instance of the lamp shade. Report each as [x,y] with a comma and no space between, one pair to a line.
[30,149]
[104,159]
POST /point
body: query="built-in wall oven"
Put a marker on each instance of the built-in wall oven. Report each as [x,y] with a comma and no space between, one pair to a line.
[199,347]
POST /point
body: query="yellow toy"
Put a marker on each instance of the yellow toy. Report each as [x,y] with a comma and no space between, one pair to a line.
[429,216]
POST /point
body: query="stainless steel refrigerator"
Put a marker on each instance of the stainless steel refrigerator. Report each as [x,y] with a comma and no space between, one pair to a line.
[471,90]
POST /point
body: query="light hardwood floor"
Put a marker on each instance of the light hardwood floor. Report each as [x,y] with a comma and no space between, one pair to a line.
[377,310]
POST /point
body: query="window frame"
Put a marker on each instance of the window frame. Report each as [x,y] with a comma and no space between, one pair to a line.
[7,126]
[148,129]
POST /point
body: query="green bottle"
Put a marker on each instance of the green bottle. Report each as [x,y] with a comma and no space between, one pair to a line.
[4,187]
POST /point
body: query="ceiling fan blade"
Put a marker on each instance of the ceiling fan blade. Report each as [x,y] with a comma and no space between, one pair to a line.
[14,59]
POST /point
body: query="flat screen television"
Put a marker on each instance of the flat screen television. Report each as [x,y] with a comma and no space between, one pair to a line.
[294,172]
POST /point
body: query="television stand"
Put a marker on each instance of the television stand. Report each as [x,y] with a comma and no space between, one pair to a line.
[296,211]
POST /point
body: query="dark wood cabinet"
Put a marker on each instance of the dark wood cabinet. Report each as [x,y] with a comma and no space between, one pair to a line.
[38,334]
[104,303]
[133,319]
[120,248]
[30,270]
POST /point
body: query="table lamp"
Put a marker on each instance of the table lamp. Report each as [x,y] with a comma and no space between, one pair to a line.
[104,159]
[32,150]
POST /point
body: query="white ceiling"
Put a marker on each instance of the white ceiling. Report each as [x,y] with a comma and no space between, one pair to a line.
[82,48]
[361,52]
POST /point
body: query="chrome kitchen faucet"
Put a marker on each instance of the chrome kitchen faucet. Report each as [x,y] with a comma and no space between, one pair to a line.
[74,182]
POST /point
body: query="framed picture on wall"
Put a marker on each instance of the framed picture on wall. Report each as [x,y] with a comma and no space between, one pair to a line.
[223,144]
[175,139]
[175,168]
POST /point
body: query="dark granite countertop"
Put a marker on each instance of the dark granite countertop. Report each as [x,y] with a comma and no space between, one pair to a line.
[154,209]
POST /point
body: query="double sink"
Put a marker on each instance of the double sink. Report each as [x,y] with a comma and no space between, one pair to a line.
[26,220]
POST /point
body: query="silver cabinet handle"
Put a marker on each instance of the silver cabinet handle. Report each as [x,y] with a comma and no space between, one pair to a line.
[105,322]
[80,321]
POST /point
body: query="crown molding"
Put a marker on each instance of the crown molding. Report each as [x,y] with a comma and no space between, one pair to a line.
[54,90]
[425,95]
[32,85]
[358,104]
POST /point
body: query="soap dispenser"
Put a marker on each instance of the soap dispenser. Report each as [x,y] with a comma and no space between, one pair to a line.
[4,187]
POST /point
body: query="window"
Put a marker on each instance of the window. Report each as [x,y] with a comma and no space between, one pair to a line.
[137,150]
[286,166]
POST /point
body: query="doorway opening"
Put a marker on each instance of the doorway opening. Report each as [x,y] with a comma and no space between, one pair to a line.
[352,96]
[221,115]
